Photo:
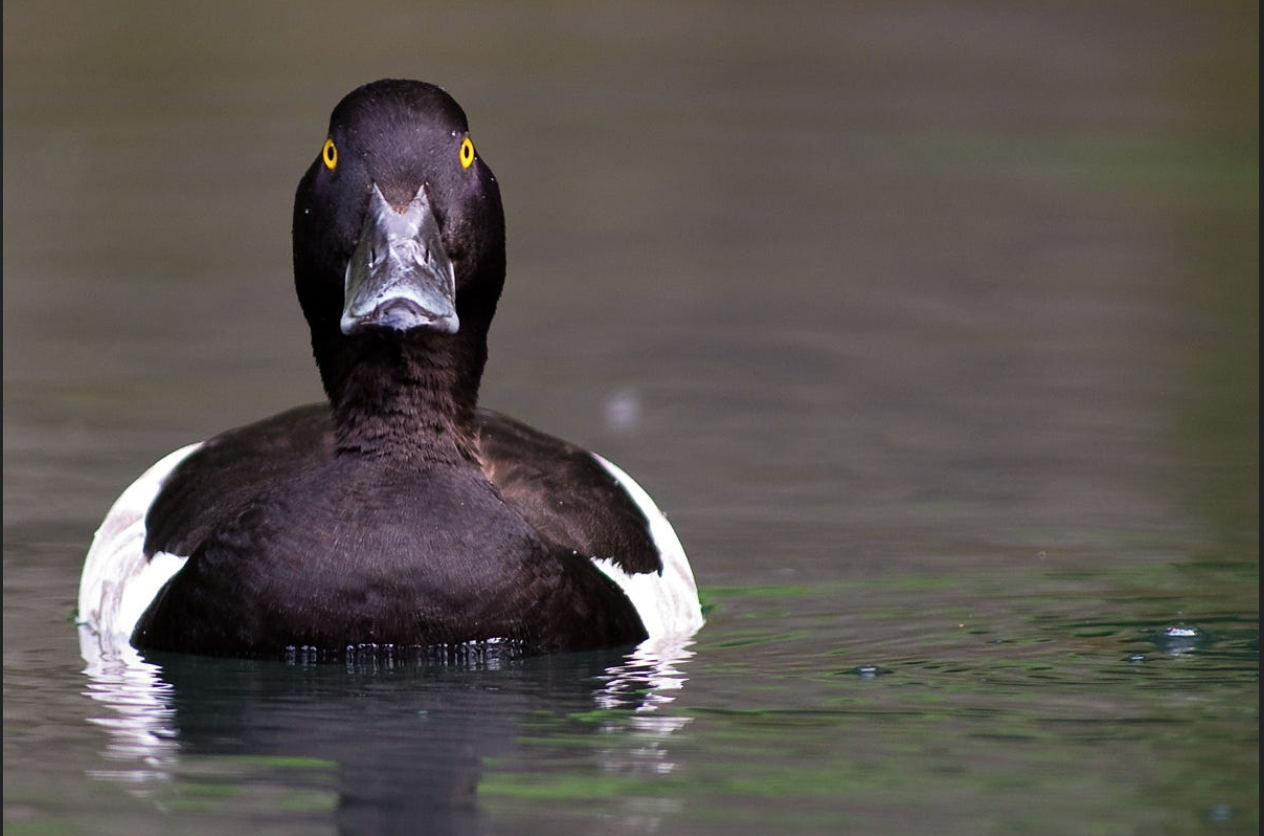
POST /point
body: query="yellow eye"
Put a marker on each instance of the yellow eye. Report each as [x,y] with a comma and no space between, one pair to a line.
[329,154]
[467,153]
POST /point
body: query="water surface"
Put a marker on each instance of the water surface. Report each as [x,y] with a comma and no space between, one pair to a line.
[933,327]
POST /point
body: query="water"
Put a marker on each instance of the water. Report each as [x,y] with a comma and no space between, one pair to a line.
[934,328]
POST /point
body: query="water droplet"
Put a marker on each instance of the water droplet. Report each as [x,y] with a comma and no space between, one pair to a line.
[623,409]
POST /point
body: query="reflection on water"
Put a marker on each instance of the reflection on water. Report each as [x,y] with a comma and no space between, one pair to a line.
[166,725]
[648,678]
[143,736]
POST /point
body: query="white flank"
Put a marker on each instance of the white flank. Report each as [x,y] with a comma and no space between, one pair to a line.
[668,601]
[118,583]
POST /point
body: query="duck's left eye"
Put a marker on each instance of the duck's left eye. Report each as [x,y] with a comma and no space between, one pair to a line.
[329,154]
[467,153]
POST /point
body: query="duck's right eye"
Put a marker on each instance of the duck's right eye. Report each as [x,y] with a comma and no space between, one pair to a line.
[329,155]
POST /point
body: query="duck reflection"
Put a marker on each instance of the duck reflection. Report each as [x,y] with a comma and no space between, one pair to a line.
[375,743]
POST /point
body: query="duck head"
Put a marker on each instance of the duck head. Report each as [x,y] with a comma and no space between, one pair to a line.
[399,236]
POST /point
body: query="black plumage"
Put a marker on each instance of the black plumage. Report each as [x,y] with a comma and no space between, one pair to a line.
[400,513]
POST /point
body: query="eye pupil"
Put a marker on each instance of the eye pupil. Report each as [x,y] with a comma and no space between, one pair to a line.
[467,153]
[329,154]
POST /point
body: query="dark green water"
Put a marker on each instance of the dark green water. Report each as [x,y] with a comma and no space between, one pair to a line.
[933,327]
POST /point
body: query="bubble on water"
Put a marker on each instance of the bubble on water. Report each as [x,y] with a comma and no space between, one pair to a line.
[1179,638]
[869,671]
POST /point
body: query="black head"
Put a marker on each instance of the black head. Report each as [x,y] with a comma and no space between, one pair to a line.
[399,235]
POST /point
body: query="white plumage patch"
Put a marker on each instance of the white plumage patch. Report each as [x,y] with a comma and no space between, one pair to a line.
[668,601]
[118,584]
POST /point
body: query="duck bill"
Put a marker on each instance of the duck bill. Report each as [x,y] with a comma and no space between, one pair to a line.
[399,278]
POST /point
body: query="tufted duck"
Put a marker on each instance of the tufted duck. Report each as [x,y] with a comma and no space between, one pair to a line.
[399,514]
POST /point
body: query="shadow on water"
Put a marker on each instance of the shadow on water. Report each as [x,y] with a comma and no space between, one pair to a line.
[380,745]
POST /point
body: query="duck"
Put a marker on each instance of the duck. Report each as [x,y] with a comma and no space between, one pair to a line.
[400,513]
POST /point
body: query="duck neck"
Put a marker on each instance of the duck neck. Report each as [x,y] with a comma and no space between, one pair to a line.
[411,400]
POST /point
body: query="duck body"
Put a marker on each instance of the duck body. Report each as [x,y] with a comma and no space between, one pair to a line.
[399,514]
